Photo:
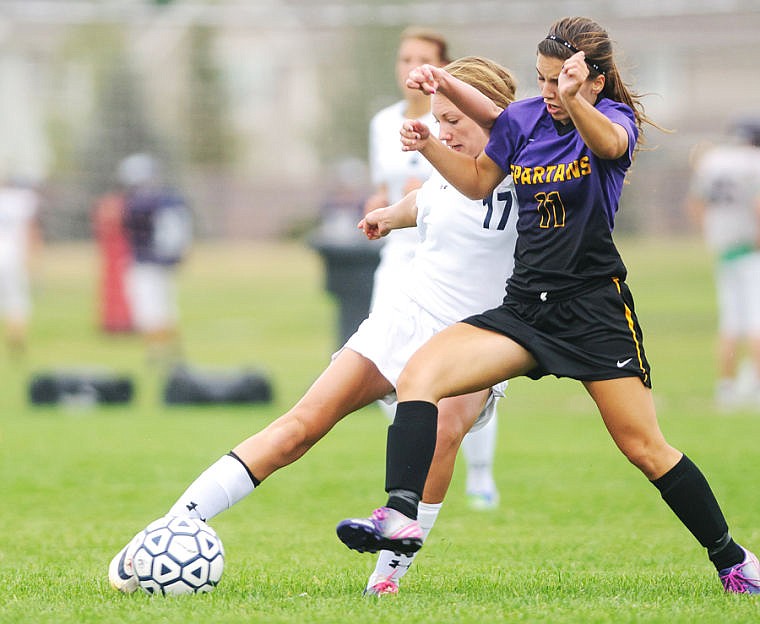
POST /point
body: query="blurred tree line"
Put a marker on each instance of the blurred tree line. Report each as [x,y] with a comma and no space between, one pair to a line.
[121,123]
[251,105]
[185,117]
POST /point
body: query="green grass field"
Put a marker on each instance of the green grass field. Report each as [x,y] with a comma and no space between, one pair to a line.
[580,535]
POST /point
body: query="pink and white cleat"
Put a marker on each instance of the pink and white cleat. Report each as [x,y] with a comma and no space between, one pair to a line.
[382,587]
[386,529]
[744,577]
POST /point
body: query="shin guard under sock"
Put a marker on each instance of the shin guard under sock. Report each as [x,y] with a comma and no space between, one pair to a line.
[686,491]
[409,453]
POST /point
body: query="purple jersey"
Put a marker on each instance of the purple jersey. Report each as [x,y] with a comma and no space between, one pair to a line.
[568,198]
[157,223]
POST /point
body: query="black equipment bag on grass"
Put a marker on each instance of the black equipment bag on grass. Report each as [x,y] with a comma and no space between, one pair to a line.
[188,386]
[80,388]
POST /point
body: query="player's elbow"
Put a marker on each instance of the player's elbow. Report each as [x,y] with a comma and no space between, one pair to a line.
[481,178]
[474,195]
[477,187]
[614,146]
[611,151]
[477,192]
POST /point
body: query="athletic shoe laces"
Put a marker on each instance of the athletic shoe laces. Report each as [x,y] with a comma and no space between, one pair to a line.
[385,587]
[736,582]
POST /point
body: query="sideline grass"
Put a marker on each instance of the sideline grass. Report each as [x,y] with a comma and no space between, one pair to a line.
[580,535]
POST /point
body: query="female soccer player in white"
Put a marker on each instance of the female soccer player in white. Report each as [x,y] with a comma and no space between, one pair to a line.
[396,173]
[439,288]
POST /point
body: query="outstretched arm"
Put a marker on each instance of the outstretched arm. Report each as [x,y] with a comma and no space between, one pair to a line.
[381,221]
[475,178]
[605,138]
[431,79]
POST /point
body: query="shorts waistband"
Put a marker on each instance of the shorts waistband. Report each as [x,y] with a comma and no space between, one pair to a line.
[559,294]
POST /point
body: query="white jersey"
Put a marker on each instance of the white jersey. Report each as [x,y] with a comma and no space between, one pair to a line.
[727,180]
[464,256]
[18,207]
[389,165]
[392,168]
[466,250]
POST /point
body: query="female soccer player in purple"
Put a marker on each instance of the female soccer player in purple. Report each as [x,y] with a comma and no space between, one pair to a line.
[568,311]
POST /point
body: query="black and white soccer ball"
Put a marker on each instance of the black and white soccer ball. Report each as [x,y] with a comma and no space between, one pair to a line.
[174,556]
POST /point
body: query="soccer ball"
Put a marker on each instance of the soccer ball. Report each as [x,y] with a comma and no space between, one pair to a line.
[176,555]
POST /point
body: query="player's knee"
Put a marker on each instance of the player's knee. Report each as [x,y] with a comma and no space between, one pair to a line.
[418,383]
[449,436]
[291,437]
[643,454]
[452,426]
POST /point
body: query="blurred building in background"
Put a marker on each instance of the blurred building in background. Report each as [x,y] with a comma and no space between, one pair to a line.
[253,103]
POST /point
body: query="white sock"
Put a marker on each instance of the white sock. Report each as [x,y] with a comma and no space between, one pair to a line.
[218,488]
[478,449]
[392,566]
[388,410]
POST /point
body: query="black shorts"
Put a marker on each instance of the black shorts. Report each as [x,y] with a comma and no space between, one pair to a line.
[589,337]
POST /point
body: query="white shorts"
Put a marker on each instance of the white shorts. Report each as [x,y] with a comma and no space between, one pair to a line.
[152,296]
[396,253]
[738,288]
[390,336]
[15,300]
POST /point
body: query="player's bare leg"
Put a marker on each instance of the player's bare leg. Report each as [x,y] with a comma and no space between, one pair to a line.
[627,408]
[349,383]
[483,359]
[457,415]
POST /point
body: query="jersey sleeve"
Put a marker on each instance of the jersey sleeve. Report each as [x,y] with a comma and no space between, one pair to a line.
[500,146]
[622,115]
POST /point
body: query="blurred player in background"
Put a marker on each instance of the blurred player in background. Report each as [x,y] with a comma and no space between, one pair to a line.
[19,236]
[395,173]
[437,288]
[159,229]
[724,198]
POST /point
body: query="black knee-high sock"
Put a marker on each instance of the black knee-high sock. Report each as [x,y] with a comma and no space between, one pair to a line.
[409,453]
[686,491]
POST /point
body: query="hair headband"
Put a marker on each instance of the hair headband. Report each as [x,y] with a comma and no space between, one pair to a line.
[574,50]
